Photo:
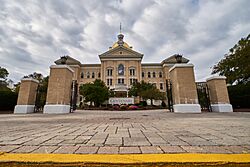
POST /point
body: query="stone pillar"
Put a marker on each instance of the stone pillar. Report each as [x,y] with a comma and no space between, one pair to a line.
[218,94]
[185,98]
[26,96]
[59,90]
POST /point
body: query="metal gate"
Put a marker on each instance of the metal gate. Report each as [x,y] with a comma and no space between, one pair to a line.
[203,96]
[74,92]
[169,95]
[40,101]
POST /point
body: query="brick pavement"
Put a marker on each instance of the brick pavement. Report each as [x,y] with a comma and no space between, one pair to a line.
[125,132]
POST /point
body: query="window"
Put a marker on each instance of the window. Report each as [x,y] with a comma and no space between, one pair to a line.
[132,72]
[93,75]
[142,74]
[121,69]
[82,75]
[161,86]
[160,74]
[149,75]
[121,81]
[153,74]
[109,82]
[132,81]
[88,75]
[109,72]
[99,75]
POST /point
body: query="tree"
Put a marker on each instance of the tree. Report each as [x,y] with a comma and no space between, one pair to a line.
[8,98]
[3,73]
[96,92]
[35,75]
[3,79]
[235,64]
[146,91]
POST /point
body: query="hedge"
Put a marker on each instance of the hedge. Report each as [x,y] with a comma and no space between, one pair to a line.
[8,100]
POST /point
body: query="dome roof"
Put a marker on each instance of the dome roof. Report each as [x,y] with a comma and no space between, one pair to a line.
[124,44]
[120,42]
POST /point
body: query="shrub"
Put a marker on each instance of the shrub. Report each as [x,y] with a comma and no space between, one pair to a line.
[116,107]
[133,107]
[8,100]
[123,107]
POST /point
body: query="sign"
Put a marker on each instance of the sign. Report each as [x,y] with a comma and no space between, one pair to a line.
[121,100]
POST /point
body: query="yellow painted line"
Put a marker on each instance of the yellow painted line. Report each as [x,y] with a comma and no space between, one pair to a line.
[126,158]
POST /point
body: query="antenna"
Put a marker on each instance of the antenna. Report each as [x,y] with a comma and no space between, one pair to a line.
[120,27]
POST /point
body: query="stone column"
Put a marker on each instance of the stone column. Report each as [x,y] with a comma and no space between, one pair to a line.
[59,90]
[26,96]
[218,94]
[185,98]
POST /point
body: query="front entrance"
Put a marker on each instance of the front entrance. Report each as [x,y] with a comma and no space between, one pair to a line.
[120,94]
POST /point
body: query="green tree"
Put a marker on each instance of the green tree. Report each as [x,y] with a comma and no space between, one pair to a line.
[3,79]
[146,91]
[236,64]
[96,92]
[3,73]
[8,98]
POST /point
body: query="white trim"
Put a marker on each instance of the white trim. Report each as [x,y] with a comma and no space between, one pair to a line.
[222,108]
[121,59]
[168,65]
[187,108]
[180,66]
[62,66]
[146,67]
[216,77]
[74,65]
[30,79]
[56,109]
[24,109]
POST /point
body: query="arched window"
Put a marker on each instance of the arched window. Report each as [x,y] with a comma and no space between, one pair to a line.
[142,74]
[99,75]
[121,69]
[88,75]
[153,74]
[82,75]
[160,74]
[93,75]
[149,75]
[109,72]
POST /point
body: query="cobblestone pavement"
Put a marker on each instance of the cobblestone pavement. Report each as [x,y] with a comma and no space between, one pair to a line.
[125,132]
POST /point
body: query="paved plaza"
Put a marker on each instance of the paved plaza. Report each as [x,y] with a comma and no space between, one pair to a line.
[125,132]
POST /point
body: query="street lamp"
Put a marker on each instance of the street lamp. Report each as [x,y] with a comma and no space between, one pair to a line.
[64,59]
[178,58]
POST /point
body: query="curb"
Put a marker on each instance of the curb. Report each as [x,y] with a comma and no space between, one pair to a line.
[126,158]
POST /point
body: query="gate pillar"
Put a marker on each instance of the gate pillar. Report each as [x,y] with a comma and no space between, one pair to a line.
[59,90]
[26,96]
[218,94]
[184,92]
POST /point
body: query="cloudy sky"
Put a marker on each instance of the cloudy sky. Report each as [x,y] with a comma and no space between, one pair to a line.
[34,33]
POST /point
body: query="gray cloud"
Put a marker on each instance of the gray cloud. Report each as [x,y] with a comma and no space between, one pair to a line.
[35,33]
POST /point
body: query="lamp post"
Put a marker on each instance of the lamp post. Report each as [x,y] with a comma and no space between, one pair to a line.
[64,59]
[178,58]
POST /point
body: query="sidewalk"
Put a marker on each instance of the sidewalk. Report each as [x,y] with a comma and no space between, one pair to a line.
[126,132]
